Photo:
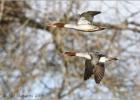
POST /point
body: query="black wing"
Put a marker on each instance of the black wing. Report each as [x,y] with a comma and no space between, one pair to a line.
[99,72]
[88,69]
[89,15]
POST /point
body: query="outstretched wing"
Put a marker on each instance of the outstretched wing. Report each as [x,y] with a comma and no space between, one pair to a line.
[88,69]
[87,17]
[99,72]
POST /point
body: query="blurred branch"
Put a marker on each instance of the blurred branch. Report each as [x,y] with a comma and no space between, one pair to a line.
[72,89]
[6,88]
[133,14]
[1,9]
[61,88]
[47,87]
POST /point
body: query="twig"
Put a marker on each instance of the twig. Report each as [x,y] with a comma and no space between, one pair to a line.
[1,9]
[72,89]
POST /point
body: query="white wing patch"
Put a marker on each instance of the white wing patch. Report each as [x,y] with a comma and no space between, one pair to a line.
[83,21]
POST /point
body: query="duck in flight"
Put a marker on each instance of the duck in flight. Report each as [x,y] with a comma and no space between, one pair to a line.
[85,23]
[94,64]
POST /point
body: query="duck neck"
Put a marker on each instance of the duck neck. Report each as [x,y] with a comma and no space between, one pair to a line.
[70,26]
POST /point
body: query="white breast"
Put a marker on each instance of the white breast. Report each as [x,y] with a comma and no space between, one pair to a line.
[85,27]
[83,21]
[103,59]
[70,26]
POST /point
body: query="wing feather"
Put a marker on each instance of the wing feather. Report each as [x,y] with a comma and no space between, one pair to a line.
[99,72]
[87,17]
[88,69]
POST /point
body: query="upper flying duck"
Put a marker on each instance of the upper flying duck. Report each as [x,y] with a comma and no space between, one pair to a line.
[85,23]
[94,64]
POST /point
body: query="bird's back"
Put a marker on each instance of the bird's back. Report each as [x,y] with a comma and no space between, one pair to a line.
[94,57]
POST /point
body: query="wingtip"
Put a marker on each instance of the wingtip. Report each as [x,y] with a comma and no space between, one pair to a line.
[85,78]
[92,13]
[97,82]
[97,12]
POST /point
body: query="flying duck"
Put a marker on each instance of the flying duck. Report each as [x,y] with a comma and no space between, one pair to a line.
[94,64]
[85,23]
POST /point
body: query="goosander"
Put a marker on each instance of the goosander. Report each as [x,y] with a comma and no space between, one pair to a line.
[94,64]
[85,23]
